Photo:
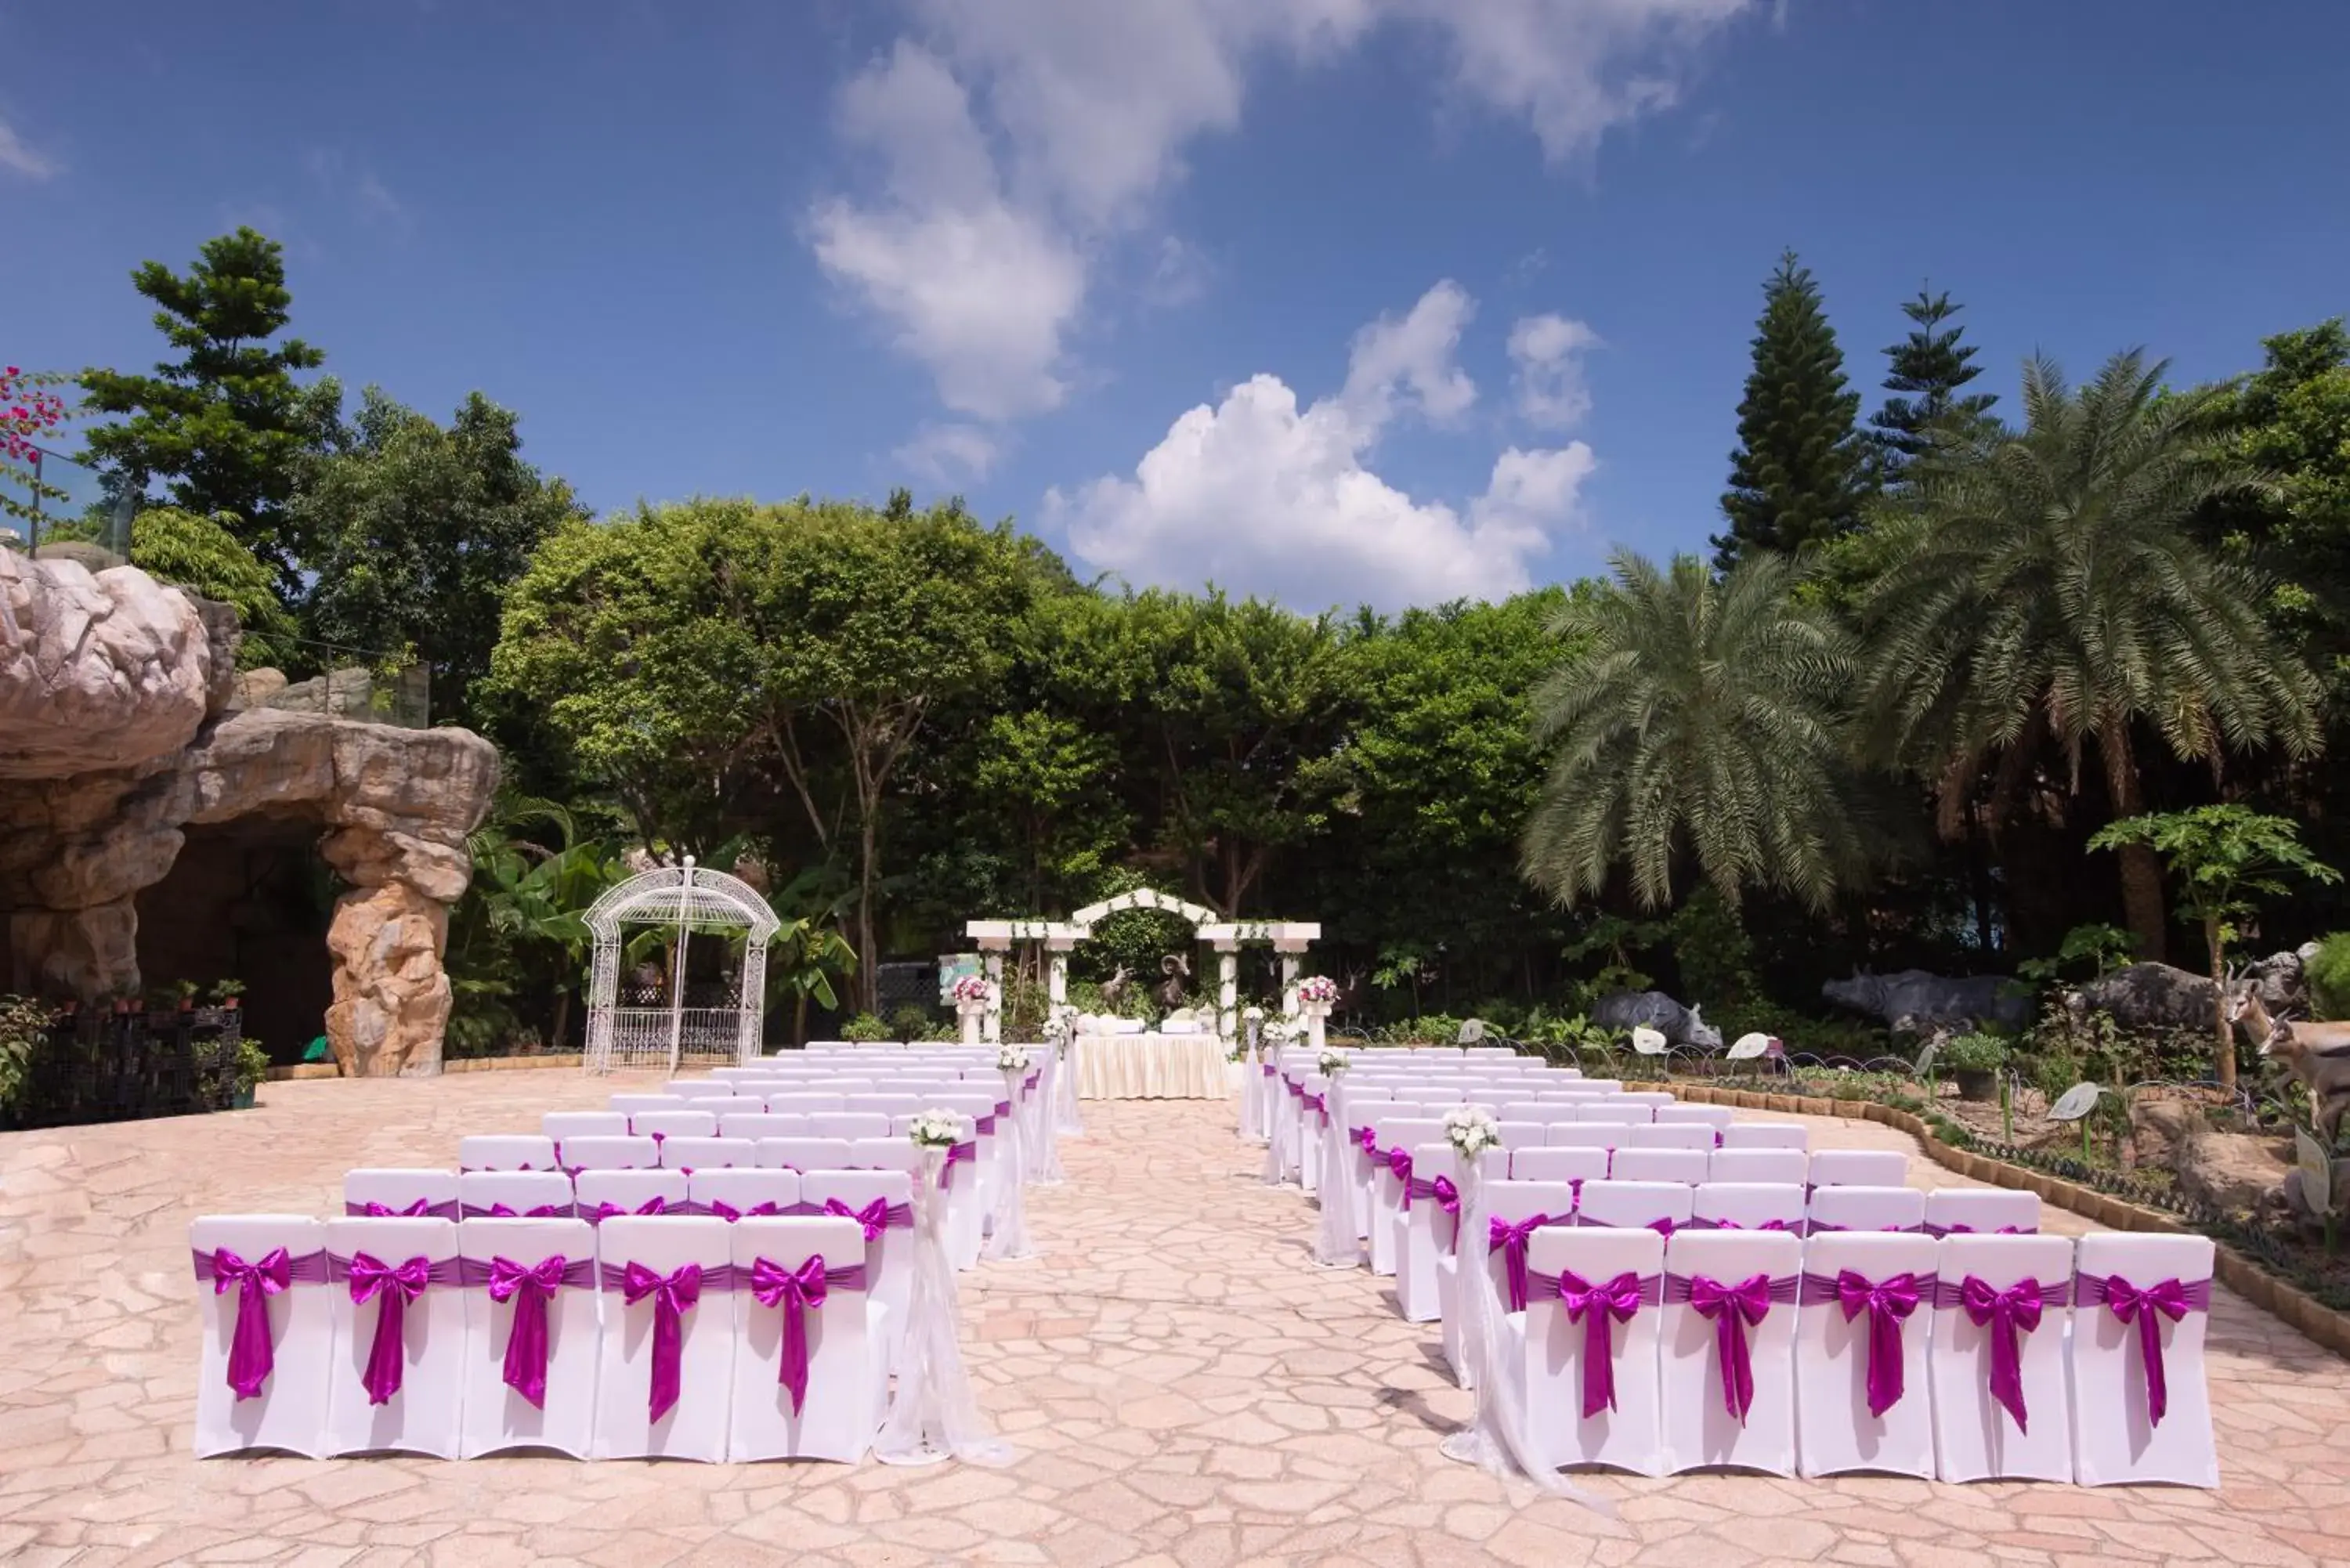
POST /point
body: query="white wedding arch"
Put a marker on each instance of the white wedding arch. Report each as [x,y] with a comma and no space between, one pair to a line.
[652,1030]
[1289,939]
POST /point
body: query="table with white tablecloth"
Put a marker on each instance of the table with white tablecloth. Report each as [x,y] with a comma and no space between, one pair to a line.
[1149,1066]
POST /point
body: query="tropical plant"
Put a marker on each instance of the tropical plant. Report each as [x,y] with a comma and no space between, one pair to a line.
[203,555]
[865,1027]
[523,920]
[23,1025]
[1701,720]
[1799,475]
[2087,952]
[2223,859]
[2044,590]
[1972,1053]
[2328,971]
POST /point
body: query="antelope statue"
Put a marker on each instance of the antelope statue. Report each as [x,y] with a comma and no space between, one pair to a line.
[2317,1054]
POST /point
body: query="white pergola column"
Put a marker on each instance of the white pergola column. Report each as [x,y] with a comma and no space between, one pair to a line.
[992,950]
[1056,969]
[1228,992]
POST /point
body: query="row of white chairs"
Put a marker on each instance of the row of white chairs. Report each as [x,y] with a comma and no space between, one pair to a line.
[295,1312]
[2017,1357]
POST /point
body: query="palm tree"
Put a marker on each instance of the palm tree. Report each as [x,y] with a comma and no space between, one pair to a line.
[2044,586]
[1696,715]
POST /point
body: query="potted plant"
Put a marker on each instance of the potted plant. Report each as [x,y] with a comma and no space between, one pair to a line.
[225,993]
[251,1066]
[185,993]
[1974,1060]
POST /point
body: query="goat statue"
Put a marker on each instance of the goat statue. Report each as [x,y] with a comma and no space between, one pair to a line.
[1172,990]
[2316,1054]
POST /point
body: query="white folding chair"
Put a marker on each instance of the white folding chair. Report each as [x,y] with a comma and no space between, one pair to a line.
[882,1203]
[1587,1135]
[521,1194]
[1981,1210]
[803,1154]
[386,1193]
[1687,1166]
[1670,1134]
[546,1271]
[286,1408]
[1427,1229]
[630,1105]
[1714,1116]
[816,1268]
[1700,1427]
[1977,1436]
[1880,1344]
[849,1124]
[602,1195]
[2124,1286]
[1558,1162]
[739,1106]
[1747,1206]
[806,1102]
[764,1125]
[882,1154]
[1751,1165]
[674,1124]
[698,1088]
[1579,1417]
[1618,1109]
[693,1154]
[1396,1135]
[1627,1205]
[735,1192]
[395,1377]
[1766,1134]
[681,1260]
[1833,1209]
[583,1154]
[1520,1131]
[560,1125]
[506,1151]
[1859,1168]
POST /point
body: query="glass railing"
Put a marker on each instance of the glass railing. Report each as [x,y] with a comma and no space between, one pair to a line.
[64,500]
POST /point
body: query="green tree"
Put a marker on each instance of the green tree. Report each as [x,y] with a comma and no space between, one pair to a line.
[1699,718]
[2222,860]
[224,425]
[2045,589]
[1799,475]
[418,533]
[202,554]
[1930,367]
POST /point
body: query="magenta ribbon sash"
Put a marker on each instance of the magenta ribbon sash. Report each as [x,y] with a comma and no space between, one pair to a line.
[530,1289]
[506,1212]
[603,1211]
[875,1217]
[1445,1195]
[1703,1224]
[1511,1239]
[394,1288]
[1934,1230]
[799,1292]
[252,1354]
[1733,1309]
[421,1208]
[2147,1308]
[1888,1303]
[673,1295]
[957,1154]
[2008,1313]
[728,1213]
[1595,1306]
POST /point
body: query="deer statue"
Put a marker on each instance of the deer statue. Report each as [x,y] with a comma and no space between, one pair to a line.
[1177,968]
[1114,987]
[2317,1054]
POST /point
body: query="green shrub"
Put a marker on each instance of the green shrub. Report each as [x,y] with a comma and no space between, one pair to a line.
[2329,976]
[865,1026]
[251,1064]
[24,1024]
[1973,1054]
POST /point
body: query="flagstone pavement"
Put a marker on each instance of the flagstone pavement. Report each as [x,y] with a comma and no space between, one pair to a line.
[1184,1387]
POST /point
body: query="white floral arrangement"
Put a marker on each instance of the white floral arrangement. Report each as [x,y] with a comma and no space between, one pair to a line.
[1472,1129]
[1060,1025]
[1317,990]
[1012,1058]
[969,991]
[1252,1014]
[1281,1031]
[1332,1063]
[938,1130]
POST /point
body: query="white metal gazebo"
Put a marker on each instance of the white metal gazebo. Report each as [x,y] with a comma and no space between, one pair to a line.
[656,1030]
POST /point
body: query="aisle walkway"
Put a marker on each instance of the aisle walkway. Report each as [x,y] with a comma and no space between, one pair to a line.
[1185,1387]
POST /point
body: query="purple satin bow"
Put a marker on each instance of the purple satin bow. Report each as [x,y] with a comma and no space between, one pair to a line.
[2008,1313]
[1734,1225]
[1399,1166]
[1733,1308]
[374,1210]
[506,1211]
[1888,1303]
[874,1217]
[1593,1306]
[1447,1198]
[530,1289]
[799,1292]
[673,1295]
[251,1355]
[603,1211]
[2148,1307]
[1932,1230]
[728,1213]
[1511,1239]
[394,1288]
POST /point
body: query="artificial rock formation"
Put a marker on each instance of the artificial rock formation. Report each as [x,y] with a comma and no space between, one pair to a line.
[115,737]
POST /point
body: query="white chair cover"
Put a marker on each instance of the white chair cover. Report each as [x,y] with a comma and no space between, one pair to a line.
[1619,1110]
[1859,1168]
[1748,1205]
[509,1151]
[691,1249]
[1699,1426]
[1683,1164]
[698,1088]
[882,1154]
[1833,1209]
[1977,1438]
[743,1190]
[561,1125]
[632,1192]
[630,1105]
[804,1154]
[674,1124]
[2116,1436]
[758,1125]
[1715,1116]
[288,1409]
[422,1415]
[1766,1134]
[481,1191]
[1835,1354]
[1555,1162]
[1670,1134]
[888,1257]
[498,1415]
[1628,1434]
[1385,1186]
[693,1154]
[1630,1204]
[1982,1211]
[399,1192]
[849,1124]
[1587,1135]
[834,1418]
[1752,1165]
[805,1101]
[611,1153]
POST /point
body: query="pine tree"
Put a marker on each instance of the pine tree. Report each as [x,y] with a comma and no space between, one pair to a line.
[1933,365]
[1799,474]
[226,424]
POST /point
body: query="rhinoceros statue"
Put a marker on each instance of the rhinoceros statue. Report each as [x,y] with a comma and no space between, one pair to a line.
[1918,999]
[2158,996]
[1654,1010]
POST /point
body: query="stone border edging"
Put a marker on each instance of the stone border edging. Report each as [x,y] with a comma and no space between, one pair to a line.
[2293,1307]
[457,1064]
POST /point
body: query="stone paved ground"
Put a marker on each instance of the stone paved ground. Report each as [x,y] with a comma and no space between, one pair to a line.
[1184,1387]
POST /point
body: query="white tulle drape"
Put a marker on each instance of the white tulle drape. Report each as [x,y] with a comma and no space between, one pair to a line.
[1281,1139]
[1252,1095]
[933,1414]
[1336,1245]
[1496,1439]
[1039,1122]
[1007,1219]
[1064,1093]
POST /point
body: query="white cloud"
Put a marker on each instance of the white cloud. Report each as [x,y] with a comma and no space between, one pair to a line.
[369,199]
[16,155]
[1549,352]
[1262,496]
[949,454]
[1021,141]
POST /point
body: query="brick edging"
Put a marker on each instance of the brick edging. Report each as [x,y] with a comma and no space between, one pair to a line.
[2293,1307]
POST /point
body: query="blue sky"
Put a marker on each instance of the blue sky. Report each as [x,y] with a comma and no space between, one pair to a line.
[1330,299]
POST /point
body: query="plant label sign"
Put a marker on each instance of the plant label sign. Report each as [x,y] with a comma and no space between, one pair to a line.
[1473,1030]
[2316,1171]
[1926,1057]
[1647,1041]
[1749,1047]
[2075,1103]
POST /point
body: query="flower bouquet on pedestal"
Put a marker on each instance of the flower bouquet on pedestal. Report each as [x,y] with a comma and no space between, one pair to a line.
[971,994]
